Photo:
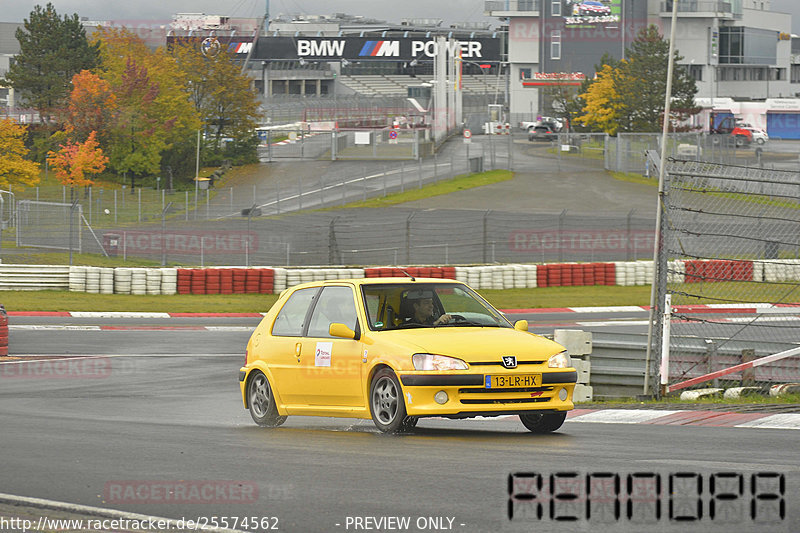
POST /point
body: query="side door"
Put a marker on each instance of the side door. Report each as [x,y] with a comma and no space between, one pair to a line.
[332,367]
[286,344]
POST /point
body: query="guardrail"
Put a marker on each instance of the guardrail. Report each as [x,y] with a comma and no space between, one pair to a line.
[618,361]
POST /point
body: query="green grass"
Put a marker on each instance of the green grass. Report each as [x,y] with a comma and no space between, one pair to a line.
[459,183]
[249,303]
[632,177]
[126,210]
[177,303]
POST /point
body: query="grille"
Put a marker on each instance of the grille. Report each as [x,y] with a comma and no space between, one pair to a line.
[492,396]
[505,400]
[475,390]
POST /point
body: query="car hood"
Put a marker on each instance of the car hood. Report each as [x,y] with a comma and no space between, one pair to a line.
[473,344]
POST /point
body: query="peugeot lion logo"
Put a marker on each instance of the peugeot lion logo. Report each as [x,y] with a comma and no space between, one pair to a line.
[509,361]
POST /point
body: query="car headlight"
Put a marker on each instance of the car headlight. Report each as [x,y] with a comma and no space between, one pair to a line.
[428,361]
[560,360]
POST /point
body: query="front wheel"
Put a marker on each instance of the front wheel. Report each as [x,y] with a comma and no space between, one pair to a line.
[386,402]
[760,141]
[740,140]
[543,423]
[261,402]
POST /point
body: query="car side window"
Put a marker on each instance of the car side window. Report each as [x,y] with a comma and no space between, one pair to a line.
[335,304]
[291,318]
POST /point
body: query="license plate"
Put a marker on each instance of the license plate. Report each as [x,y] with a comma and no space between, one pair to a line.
[514,380]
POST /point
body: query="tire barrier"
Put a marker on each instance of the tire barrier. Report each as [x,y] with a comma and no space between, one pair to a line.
[3,331]
[265,280]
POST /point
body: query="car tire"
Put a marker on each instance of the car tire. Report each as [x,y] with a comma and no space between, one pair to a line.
[261,401]
[543,423]
[740,140]
[760,141]
[386,402]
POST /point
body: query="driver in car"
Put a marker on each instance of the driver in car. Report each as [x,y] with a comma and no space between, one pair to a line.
[422,304]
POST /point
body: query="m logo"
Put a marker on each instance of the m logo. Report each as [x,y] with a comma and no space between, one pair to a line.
[509,361]
[380,49]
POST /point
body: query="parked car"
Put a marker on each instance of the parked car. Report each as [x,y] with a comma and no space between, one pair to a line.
[542,133]
[554,123]
[593,8]
[396,350]
[759,136]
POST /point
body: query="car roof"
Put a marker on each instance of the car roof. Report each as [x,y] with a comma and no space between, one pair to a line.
[378,281]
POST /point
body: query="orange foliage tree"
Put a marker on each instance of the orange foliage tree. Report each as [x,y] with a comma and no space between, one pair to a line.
[91,108]
[78,160]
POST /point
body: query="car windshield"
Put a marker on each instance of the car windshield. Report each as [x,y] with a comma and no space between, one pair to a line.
[420,305]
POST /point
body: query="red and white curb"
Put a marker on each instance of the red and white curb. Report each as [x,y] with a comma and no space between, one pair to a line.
[89,327]
[760,308]
[686,418]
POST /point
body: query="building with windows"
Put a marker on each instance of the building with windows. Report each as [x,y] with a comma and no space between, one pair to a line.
[738,51]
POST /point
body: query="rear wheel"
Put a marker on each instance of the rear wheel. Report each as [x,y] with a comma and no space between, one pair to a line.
[386,402]
[740,140]
[543,423]
[261,401]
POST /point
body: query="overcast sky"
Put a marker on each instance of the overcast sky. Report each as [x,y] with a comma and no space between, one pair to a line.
[451,10]
[160,10]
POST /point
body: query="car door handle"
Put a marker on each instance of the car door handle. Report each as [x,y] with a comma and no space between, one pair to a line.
[298,348]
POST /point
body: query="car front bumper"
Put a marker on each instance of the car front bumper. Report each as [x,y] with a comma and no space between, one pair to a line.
[467,394]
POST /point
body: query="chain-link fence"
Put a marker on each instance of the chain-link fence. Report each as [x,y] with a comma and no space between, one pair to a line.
[731,240]
[355,237]
[626,152]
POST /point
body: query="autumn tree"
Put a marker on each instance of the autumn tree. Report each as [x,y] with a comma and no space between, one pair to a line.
[75,162]
[92,106]
[628,96]
[52,50]
[14,167]
[152,110]
[221,94]
[601,111]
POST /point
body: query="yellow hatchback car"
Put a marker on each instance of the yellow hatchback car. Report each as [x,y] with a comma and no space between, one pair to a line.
[396,350]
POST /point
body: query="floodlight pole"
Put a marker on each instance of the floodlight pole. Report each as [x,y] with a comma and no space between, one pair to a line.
[661,194]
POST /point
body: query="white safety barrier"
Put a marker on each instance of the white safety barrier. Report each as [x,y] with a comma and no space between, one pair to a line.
[169,280]
[34,277]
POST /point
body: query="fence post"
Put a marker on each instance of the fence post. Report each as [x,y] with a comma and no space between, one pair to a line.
[629,240]
[748,374]
[665,334]
[187,204]
[299,193]
[510,151]
[384,181]
[419,168]
[140,203]
[485,233]
[435,169]
[408,238]
[561,218]
[115,206]
[402,174]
